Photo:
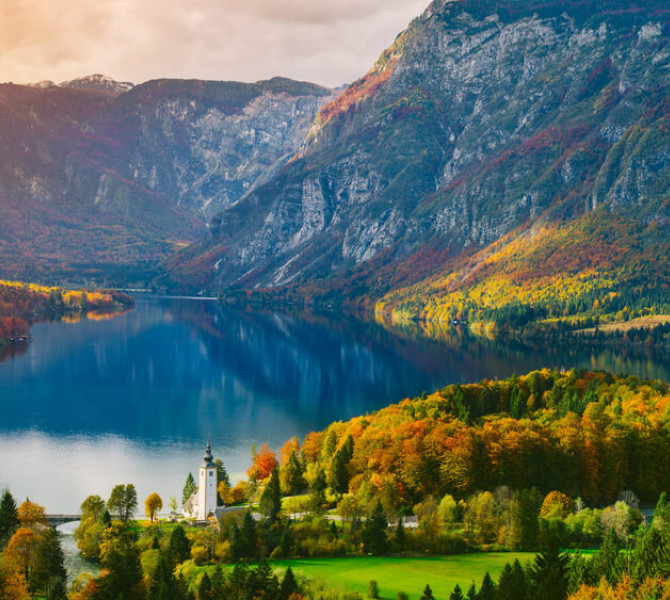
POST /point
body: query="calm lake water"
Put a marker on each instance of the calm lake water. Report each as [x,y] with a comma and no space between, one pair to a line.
[133,399]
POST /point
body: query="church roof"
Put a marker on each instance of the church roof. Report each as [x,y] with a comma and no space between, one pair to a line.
[207,459]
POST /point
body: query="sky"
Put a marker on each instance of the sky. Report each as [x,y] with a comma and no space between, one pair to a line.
[330,42]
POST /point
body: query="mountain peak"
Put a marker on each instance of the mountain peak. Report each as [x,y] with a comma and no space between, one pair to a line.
[100,82]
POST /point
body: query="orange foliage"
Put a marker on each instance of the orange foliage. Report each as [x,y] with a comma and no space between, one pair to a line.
[264,462]
[21,551]
[311,446]
[31,514]
[289,447]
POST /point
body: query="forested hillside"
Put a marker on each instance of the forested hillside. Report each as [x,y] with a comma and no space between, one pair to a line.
[589,435]
[22,304]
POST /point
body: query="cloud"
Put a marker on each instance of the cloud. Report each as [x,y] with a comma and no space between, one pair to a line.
[326,41]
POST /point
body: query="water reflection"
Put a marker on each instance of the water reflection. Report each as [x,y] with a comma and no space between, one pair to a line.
[132,399]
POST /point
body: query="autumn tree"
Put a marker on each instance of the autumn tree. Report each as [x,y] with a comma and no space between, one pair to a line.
[152,505]
[21,551]
[221,478]
[263,463]
[32,515]
[94,507]
[123,501]
[289,447]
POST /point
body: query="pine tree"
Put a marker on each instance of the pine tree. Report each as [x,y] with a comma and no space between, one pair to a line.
[49,565]
[9,518]
[289,585]
[512,583]
[270,502]
[205,588]
[549,574]
[179,546]
[428,593]
[293,475]
[457,594]
[400,536]
[248,536]
[374,531]
[189,489]
[607,560]
[487,591]
[318,495]
[472,592]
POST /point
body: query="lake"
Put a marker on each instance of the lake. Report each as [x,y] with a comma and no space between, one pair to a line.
[133,399]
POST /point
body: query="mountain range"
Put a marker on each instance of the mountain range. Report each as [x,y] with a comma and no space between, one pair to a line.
[494,150]
[102,179]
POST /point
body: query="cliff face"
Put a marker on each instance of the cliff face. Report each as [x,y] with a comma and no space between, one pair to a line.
[104,178]
[482,117]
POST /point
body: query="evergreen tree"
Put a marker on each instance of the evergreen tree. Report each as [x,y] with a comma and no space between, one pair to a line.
[221,476]
[164,585]
[400,536]
[428,593]
[457,594]
[339,474]
[270,502]
[530,502]
[487,591]
[318,495]
[607,560]
[205,589]
[512,583]
[58,590]
[49,565]
[289,585]
[294,475]
[123,580]
[549,574]
[9,518]
[179,546]
[650,556]
[218,582]
[472,592]
[373,589]
[106,518]
[374,531]
[189,489]
[245,538]
[286,541]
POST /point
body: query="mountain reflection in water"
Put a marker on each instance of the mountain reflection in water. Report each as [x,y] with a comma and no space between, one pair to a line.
[133,399]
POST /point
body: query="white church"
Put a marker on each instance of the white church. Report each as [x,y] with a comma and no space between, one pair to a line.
[202,504]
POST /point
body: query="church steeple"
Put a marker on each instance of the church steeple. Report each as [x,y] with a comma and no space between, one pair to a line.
[207,459]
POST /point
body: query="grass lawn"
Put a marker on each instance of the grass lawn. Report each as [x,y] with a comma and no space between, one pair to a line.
[410,575]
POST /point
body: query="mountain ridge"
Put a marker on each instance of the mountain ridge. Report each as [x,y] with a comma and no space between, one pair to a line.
[480,120]
[104,183]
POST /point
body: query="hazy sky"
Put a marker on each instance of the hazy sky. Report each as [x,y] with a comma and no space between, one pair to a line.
[325,41]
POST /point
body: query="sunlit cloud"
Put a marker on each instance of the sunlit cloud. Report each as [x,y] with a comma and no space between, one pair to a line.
[136,40]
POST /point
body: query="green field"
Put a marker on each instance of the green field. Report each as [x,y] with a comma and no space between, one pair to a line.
[405,574]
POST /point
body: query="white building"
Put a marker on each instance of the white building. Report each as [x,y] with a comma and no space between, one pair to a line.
[202,504]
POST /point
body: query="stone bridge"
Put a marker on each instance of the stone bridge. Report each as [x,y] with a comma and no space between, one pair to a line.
[56,520]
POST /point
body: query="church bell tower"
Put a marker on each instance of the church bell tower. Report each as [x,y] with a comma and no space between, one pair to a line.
[207,486]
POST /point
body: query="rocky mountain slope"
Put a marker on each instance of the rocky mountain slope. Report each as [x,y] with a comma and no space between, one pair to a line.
[103,179]
[483,120]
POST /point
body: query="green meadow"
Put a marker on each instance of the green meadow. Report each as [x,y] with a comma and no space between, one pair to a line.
[409,575]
